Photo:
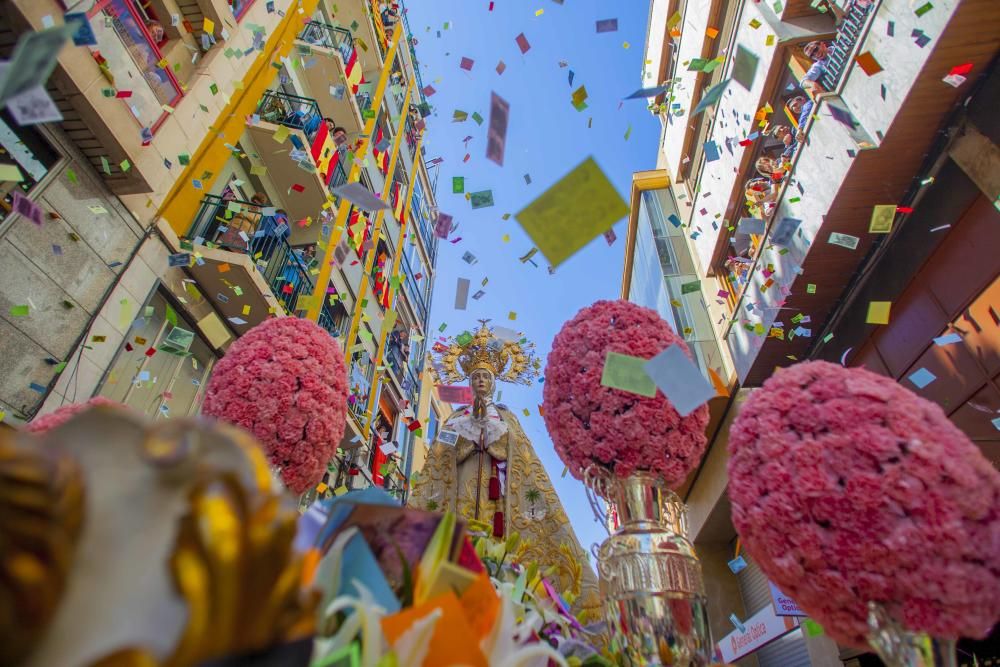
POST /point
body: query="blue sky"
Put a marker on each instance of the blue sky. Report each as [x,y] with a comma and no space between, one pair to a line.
[546,138]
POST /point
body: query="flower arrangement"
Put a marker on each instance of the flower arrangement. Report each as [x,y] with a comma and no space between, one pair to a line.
[64,413]
[510,610]
[285,382]
[620,431]
[848,489]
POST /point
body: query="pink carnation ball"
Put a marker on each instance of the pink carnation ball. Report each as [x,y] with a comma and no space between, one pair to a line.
[591,424]
[847,488]
[63,414]
[285,382]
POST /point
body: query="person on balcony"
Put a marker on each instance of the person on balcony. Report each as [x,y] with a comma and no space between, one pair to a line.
[773,168]
[801,107]
[245,221]
[297,266]
[390,14]
[784,134]
[271,231]
[818,52]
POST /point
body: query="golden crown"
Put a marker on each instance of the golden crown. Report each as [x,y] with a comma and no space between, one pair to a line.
[509,360]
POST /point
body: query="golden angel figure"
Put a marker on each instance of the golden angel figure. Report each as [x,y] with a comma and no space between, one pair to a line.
[483,467]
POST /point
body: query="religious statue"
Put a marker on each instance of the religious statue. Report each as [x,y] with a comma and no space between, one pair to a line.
[483,467]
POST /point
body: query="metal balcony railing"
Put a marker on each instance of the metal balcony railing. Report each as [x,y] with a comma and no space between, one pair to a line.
[413,291]
[394,359]
[360,388]
[322,34]
[339,177]
[285,269]
[294,111]
[839,56]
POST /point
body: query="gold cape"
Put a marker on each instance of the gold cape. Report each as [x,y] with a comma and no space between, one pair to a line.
[448,482]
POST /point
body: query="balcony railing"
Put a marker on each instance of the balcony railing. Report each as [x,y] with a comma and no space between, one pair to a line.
[414,292]
[294,111]
[394,359]
[330,37]
[285,269]
[425,227]
[360,387]
[841,52]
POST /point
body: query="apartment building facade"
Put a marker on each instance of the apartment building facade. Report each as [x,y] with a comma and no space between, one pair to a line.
[188,194]
[762,264]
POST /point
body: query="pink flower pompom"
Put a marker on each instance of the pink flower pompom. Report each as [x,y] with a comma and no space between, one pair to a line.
[285,382]
[591,424]
[847,488]
[63,414]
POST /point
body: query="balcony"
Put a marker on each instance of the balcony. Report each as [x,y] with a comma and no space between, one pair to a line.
[289,163]
[360,385]
[888,124]
[414,293]
[248,269]
[328,51]
[361,19]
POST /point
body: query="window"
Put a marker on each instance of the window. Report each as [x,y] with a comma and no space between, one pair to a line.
[170,382]
[25,148]
[432,425]
[128,51]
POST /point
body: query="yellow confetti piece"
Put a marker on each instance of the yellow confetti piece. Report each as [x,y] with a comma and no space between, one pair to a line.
[246,309]
[878,312]
[340,490]
[625,45]
[512,315]
[208,26]
[539,12]
[505,238]
[769,41]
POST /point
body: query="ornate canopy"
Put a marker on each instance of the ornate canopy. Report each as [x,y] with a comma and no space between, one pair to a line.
[511,361]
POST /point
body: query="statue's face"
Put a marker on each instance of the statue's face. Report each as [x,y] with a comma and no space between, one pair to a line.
[482,382]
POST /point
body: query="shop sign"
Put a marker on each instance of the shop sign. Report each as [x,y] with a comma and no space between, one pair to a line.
[784,605]
[759,630]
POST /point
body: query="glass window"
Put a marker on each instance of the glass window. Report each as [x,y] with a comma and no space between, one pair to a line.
[432,425]
[26,148]
[169,383]
[128,52]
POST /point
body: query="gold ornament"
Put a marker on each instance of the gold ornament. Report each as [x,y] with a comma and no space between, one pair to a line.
[507,361]
[126,544]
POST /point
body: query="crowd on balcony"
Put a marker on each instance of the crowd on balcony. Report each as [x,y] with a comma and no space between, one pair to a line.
[773,166]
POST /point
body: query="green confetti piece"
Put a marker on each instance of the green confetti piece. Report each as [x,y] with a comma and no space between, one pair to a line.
[827,338]
[810,288]
[184,159]
[812,628]
[105,165]
[171,315]
[125,165]
[60,367]
[19,311]
[625,372]
[923,9]
[71,176]
[214,88]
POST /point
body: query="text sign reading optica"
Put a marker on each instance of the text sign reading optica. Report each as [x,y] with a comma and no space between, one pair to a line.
[784,605]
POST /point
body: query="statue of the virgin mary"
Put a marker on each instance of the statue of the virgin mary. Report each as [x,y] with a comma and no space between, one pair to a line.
[482,465]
